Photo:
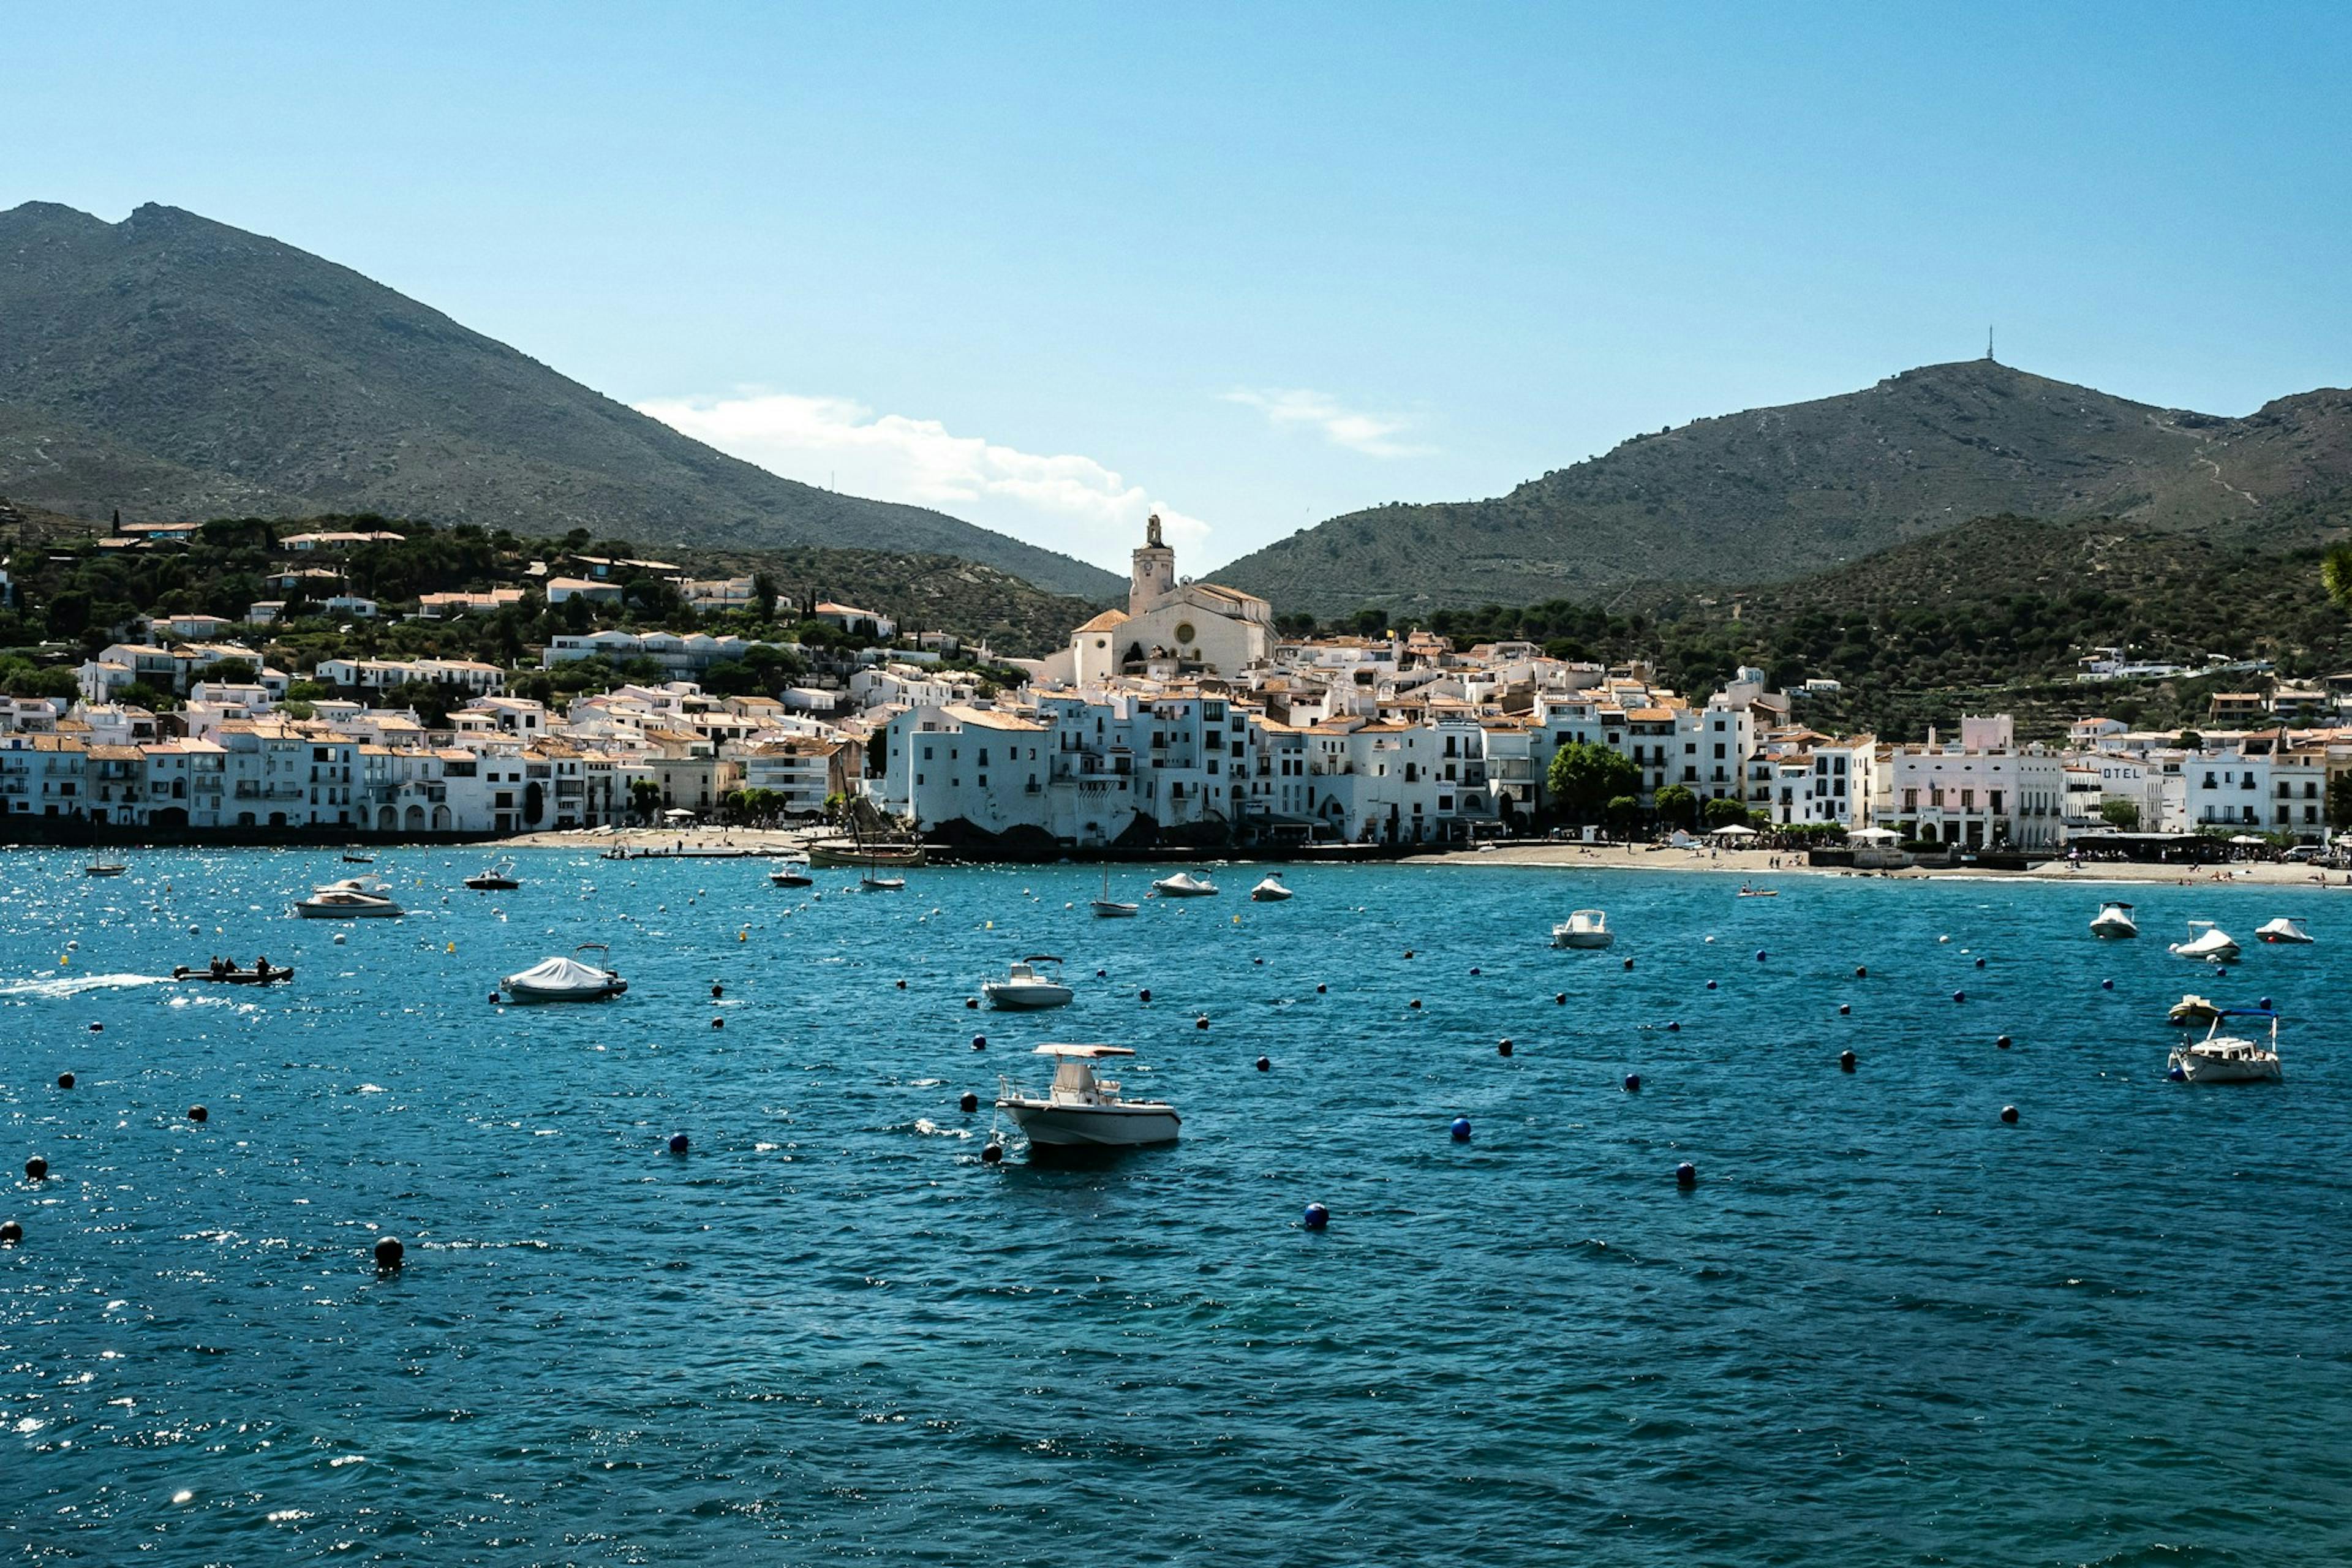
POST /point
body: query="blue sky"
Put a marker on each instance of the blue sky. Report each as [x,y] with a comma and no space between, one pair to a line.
[1046,266]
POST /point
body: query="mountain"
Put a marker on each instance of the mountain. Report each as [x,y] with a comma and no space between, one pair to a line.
[1776,493]
[177,368]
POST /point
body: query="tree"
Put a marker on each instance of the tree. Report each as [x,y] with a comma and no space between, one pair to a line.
[1624,811]
[1675,806]
[1585,777]
[763,595]
[2336,574]
[645,798]
[1722,813]
[2123,816]
[2339,800]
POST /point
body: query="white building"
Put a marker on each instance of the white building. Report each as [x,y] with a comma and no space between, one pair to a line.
[1186,628]
[1982,792]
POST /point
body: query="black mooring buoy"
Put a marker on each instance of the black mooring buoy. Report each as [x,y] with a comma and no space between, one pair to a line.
[64,1080]
[36,1169]
[968,1103]
[1201,1022]
[11,1233]
[198,1113]
[1686,1174]
[990,1152]
[718,1023]
[2009,1115]
[1503,1046]
[717,992]
[979,1042]
[389,1254]
[1264,1065]
[1845,1061]
[2001,1043]
[1144,994]
[1633,1083]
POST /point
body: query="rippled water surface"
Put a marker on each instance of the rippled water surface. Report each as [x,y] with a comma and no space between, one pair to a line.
[1885,1328]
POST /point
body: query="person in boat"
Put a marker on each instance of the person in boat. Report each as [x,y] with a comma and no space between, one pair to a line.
[220,966]
[261,967]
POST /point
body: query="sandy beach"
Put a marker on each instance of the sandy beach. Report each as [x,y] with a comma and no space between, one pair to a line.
[1758,867]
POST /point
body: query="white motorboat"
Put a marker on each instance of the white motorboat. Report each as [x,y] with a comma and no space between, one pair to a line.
[2209,943]
[1083,1111]
[1026,989]
[2283,930]
[1184,885]
[1271,890]
[352,899]
[2114,920]
[792,874]
[2228,1058]
[1109,909]
[567,979]
[1585,927]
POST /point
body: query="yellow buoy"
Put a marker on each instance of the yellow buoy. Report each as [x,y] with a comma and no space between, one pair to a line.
[451,948]
[742,936]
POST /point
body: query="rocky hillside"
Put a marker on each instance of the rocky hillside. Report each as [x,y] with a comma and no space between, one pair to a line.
[176,368]
[1782,492]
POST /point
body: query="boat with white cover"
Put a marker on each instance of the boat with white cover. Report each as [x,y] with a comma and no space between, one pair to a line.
[1080,1111]
[2209,943]
[2114,920]
[2228,1058]
[352,899]
[1025,989]
[1270,891]
[567,979]
[2194,1009]
[2283,930]
[792,874]
[1585,927]
[1184,885]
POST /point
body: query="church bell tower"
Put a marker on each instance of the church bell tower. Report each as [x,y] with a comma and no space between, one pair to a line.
[1154,577]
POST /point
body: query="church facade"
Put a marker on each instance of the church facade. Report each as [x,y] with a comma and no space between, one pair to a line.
[1169,627]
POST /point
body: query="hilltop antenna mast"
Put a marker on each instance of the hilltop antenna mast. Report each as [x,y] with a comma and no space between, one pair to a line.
[1989,342]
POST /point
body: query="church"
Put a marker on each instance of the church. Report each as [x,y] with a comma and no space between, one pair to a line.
[1170,628]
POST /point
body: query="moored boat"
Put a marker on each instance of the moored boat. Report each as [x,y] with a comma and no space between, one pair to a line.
[2115,920]
[497,878]
[2228,1058]
[874,884]
[792,874]
[1270,891]
[567,979]
[842,853]
[2209,944]
[2283,930]
[1184,885]
[2193,1009]
[1080,1110]
[98,867]
[1109,909]
[1584,928]
[1027,989]
[354,898]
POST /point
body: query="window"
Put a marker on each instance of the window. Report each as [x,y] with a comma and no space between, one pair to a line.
[1719,747]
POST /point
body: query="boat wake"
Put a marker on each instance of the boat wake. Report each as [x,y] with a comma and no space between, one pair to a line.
[75,985]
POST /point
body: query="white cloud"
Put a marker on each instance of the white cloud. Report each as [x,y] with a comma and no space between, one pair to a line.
[1296,407]
[1065,503]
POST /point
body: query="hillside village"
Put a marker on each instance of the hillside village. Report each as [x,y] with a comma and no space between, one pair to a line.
[1185,717]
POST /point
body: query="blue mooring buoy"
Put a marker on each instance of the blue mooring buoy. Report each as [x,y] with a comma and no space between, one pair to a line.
[677,1143]
[979,1042]
[1960,995]
[1761,956]
[1461,1130]
[2106,986]
[1633,1083]
[1686,1174]
[1315,1217]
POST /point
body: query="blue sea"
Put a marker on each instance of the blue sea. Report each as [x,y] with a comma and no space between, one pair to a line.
[1884,1328]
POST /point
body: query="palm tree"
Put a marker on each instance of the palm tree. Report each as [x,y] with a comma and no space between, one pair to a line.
[2336,573]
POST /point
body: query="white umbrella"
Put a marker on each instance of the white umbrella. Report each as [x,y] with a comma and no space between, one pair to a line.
[1735,833]
[679,815]
[1876,835]
[2248,839]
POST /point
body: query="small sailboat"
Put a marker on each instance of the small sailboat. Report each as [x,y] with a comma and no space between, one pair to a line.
[1184,885]
[352,859]
[567,979]
[2115,920]
[1026,989]
[1270,891]
[497,878]
[2283,930]
[98,867]
[1080,1110]
[1585,927]
[792,874]
[2228,1058]
[2209,944]
[1109,909]
[876,884]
